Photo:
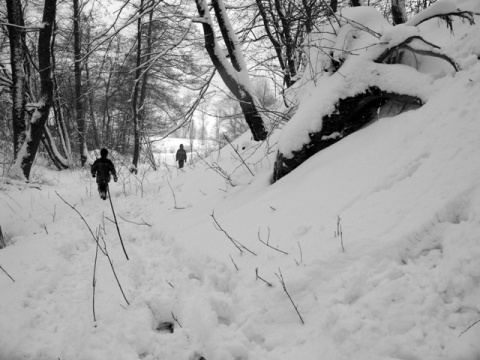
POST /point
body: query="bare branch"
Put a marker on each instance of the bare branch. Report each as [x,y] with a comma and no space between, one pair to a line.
[6,273]
[268,239]
[243,161]
[445,16]
[234,264]
[237,244]
[131,222]
[260,278]
[116,222]
[282,281]
[464,331]
[404,45]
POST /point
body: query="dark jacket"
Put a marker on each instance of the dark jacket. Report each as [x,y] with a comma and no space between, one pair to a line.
[181,154]
[102,168]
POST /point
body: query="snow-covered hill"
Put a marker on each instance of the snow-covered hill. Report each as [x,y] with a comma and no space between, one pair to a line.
[208,247]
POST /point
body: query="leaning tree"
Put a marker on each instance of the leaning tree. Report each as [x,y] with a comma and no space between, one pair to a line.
[361,66]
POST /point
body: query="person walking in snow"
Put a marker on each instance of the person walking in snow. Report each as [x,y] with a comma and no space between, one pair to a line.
[101,169]
[181,156]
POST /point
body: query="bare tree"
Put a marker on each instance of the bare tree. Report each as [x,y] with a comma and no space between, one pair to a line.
[35,129]
[234,74]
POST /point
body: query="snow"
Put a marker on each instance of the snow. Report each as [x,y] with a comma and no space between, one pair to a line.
[405,188]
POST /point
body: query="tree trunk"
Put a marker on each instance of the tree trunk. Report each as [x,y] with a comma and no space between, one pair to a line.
[91,93]
[52,151]
[17,60]
[34,133]
[58,114]
[78,83]
[138,72]
[399,14]
[334,5]
[230,72]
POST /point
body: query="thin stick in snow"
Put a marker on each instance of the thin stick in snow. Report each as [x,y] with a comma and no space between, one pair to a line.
[268,239]
[301,254]
[174,197]
[234,264]
[176,319]
[240,156]
[113,269]
[116,222]
[6,273]
[259,277]
[464,331]
[131,222]
[95,279]
[280,278]
[103,250]
[237,244]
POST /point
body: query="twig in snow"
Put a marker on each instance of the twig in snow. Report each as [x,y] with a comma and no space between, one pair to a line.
[240,156]
[131,222]
[85,221]
[237,244]
[6,273]
[259,277]
[234,264]
[268,239]
[95,279]
[464,331]
[301,254]
[113,269]
[176,319]
[169,283]
[339,232]
[174,197]
[103,250]
[280,278]
[116,223]
[217,169]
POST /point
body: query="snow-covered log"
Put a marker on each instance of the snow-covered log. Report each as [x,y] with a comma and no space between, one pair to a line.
[350,115]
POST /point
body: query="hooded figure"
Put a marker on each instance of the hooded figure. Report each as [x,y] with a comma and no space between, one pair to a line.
[181,156]
[101,169]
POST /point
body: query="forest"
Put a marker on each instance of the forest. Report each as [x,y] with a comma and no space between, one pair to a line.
[79,76]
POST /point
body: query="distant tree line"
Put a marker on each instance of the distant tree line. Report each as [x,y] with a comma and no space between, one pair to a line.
[80,75]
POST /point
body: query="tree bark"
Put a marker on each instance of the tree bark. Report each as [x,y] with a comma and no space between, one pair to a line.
[17,60]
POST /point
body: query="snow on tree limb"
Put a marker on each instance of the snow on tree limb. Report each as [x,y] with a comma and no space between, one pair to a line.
[444,10]
[434,52]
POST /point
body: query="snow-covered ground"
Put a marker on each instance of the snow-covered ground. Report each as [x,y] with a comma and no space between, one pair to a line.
[164,150]
[401,281]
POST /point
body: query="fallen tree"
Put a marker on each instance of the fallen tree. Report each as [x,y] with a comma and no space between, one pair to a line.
[350,115]
[363,71]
